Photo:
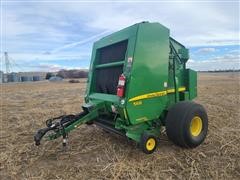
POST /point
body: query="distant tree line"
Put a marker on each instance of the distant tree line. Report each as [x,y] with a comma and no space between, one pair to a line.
[49,75]
[68,74]
[226,70]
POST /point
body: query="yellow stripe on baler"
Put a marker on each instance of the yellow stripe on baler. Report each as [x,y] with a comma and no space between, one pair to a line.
[156,94]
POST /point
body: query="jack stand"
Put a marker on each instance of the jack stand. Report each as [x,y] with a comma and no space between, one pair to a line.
[65,142]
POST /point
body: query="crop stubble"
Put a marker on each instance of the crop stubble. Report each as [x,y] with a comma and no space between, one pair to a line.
[94,154]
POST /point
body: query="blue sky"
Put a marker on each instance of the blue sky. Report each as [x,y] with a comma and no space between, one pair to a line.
[51,35]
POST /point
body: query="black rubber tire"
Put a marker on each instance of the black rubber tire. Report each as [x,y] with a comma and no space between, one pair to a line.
[143,141]
[178,123]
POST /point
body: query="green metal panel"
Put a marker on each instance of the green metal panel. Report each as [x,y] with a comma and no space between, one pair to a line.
[149,72]
[104,97]
[192,83]
[184,96]
[109,64]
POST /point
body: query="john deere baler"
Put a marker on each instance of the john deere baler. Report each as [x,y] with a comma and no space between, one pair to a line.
[138,83]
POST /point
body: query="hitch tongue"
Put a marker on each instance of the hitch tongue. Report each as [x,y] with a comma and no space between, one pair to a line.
[62,125]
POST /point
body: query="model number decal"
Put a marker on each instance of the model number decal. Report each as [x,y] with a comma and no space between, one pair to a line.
[156,94]
[137,103]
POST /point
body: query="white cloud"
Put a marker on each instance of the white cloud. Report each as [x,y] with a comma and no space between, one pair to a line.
[71,45]
[224,62]
[206,50]
[46,67]
[30,29]
[235,51]
[29,57]
[192,23]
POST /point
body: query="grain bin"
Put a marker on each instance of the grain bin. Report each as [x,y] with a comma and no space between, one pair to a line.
[13,77]
[138,83]
[26,78]
[1,77]
[36,78]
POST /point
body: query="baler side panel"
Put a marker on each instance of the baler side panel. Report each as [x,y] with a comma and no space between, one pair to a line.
[149,73]
[192,83]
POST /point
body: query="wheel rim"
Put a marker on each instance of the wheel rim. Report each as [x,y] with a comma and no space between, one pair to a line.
[150,144]
[196,126]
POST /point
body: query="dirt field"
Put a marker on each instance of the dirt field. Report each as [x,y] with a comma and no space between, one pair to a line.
[95,154]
